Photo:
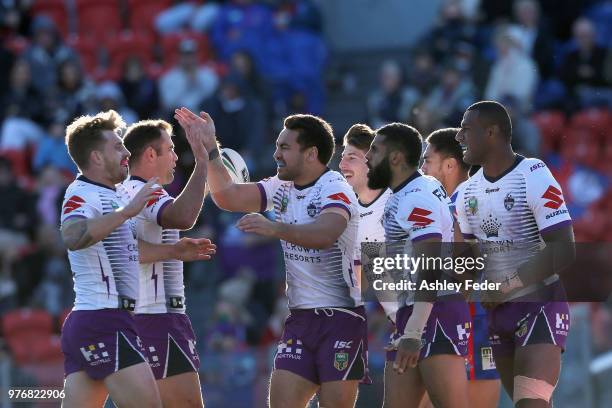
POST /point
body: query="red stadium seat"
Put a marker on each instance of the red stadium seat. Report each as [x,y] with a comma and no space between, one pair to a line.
[170,47]
[100,19]
[551,125]
[56,10]
[598,121]
[143,13]
[87,50]
[581,146]
[32,321]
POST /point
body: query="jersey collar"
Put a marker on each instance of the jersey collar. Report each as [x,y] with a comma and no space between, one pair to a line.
[138,178]
[408,180]
[517,160]
[312,183]
[86,180]
[383,191]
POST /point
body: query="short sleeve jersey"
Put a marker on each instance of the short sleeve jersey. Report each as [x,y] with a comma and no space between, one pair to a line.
[418,209]
[508,214]
[316,277]
[161,283]
[105,274]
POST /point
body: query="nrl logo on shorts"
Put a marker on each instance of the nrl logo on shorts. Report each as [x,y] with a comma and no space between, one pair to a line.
[341,361]
[472,205]
[523,328]
[509,202]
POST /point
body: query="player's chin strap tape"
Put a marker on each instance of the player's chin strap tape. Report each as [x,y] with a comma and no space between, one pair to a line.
[531,388]
[329,311]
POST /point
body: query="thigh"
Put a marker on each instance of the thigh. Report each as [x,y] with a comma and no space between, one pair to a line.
[402,390]
[83,392]
[483,393]
[133,386]
[445,380]
[290,390]
[541,362]
[181,390]
[338,394]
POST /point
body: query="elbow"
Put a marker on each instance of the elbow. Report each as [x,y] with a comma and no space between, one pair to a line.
[185,223]
[221,201]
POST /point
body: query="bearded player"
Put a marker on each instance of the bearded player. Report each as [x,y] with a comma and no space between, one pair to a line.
[443,159]
[514,211]
[431,330]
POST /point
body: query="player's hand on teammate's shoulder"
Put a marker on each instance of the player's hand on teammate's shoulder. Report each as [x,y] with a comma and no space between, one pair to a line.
[258,224]
[150,191]
[194,249]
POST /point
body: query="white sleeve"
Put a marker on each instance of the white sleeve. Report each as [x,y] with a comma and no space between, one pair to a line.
[545,198]
[339,194]
[419,215]
[154,208]
[267,189]
[80,204]
[464,225]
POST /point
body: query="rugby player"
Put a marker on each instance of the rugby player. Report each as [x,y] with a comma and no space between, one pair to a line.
[514,209]
[323,346]
[163,326]
[428,346]
[443,159]
[102,350]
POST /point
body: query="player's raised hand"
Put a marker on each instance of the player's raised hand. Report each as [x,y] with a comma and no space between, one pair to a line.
[195,129]
[150,191]
[257,224]
[194,249]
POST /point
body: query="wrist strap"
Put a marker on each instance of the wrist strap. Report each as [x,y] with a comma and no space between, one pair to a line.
[214,153]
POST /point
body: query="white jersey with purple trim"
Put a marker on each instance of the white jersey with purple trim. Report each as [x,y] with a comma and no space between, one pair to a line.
[418,209]
[316,277]
[105,274]
[508,214]
[161,283]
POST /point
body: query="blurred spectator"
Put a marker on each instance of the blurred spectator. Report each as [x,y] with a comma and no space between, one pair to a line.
[73,95]
[452,97]
[239,118]
[15,17]
[139,90]
[51,184]
[52,151]
[187,84]
[21,99]
[7,59]
[584,66]
[424,119]
[470,62]
[187,14]
[46,53]
[243,66]
[536,38]
[525,134]
[110,97]
[391,102]
[423,72]
[513,73]
[17,215]
[451,29]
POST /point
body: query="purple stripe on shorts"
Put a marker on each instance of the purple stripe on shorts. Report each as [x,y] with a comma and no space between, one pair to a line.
[263,197]
[161,210]
[425,236]
[344,207]
[556,226]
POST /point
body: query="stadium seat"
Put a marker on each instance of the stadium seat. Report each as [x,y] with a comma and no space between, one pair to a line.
[597,121]
[125,45]
[56,10]
[21,321]
[99,19]
[551,125]
[581,146]
[87,50]
[143,13]
[170,47]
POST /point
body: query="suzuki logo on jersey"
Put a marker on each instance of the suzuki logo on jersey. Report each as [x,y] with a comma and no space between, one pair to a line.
[554,197]
[419,217]
[342,344]
[340,197]
[157,195]
[73,203]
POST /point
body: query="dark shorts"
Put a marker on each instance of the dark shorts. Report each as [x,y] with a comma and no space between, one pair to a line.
[100,342]
[515,324]
[325,344]
[480,364]
[446,332]
[169,343]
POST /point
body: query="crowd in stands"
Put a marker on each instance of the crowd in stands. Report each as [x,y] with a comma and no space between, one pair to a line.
[249,64]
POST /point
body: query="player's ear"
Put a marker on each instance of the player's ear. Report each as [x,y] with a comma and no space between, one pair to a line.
[313,154]
[96,157]
[395,157]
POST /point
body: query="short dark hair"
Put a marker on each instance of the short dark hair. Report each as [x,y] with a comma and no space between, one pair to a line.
[404,138]
[444,142]
[313,131]
[84,135]
[494,113]
[359,136]
[143,134]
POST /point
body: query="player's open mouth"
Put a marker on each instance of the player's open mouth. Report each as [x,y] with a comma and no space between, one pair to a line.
[124,163]
[463,148]
[348,174]
[279,164]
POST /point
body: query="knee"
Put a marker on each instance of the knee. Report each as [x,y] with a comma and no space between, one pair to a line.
[531,388]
